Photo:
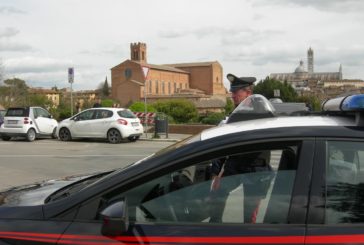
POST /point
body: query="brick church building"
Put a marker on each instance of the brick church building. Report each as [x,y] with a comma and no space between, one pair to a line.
[200,82]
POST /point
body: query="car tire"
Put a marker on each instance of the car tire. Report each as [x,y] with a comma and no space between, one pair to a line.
[64,134]
[114,136]
[54,133]
[5,138]
[31,135]
[133,138]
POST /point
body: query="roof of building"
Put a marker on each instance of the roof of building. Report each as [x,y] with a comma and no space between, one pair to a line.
[207,63]
[166,68]
[43,91]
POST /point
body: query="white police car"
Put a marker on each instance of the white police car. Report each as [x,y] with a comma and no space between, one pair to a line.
[286,180]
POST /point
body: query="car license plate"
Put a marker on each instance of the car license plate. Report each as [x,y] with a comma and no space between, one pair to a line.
[135,124]
[12,121]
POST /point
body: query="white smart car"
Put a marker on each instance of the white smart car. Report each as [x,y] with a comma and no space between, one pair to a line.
[28,122]
[113,124]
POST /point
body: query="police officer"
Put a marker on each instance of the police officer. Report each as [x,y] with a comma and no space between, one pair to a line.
[240,87]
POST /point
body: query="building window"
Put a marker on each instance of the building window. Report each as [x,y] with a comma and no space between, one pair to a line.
[169,87]
[150,86]
[175,87]
[156,87]
[163,91]
[143,55]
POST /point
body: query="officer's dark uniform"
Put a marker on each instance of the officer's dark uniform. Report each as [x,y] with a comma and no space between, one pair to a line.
[238,165]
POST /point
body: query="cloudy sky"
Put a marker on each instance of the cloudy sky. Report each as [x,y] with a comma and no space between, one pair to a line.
[40,39]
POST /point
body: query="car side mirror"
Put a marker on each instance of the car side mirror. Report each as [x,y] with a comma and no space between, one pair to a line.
[76,119]
[115,219]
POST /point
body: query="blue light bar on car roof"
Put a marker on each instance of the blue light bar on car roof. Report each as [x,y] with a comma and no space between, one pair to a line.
[349,103]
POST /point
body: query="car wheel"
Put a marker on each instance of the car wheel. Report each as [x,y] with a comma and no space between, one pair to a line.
[133,138]
[31,135]
[64,134]
[5,138]
[113,136]
[54,133]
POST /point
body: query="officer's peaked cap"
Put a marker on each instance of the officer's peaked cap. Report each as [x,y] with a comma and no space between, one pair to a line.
[237,83]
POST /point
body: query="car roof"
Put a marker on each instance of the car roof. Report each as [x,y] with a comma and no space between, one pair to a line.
[277,122]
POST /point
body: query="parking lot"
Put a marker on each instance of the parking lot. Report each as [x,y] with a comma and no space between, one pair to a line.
[24,162]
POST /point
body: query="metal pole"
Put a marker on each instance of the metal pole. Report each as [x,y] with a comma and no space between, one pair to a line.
[145,109]
[71,101]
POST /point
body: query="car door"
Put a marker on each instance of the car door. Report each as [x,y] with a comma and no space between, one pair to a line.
[102,121]
[43,120]
[82,124]
[337,200]
[31,231]
[177,204]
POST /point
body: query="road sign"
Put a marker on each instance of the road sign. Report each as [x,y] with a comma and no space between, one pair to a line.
[277,93]
[70,75]
[145,71]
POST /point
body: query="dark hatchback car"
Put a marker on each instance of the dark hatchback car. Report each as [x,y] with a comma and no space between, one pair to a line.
[296,180]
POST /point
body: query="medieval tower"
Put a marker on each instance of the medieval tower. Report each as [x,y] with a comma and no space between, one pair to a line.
[138,52]
[310,61]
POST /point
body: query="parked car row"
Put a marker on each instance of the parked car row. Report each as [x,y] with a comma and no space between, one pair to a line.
[113,124]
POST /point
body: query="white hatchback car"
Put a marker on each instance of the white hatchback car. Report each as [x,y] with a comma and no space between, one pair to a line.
[28,122]
[113,124]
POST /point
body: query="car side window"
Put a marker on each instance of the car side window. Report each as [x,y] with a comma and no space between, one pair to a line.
[344,182]
[42,113]
[100,114]
[87,115]
[247,187]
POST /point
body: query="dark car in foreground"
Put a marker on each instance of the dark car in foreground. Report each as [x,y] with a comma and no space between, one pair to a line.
[310,193]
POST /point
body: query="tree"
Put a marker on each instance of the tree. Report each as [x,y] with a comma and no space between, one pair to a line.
[181,110]
[104,89]
[39,100]
[229,107]
[267,87]
[16,91]
[312,101]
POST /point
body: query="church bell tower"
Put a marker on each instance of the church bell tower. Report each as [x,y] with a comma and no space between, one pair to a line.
[138,52]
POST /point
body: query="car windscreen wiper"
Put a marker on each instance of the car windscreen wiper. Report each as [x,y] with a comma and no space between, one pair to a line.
[74,187]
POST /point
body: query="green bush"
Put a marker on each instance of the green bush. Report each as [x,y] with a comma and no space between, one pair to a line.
[213,118]
[139,107]
[181,110]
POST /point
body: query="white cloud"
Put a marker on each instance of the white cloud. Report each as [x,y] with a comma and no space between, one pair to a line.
[10,10]
[253,38]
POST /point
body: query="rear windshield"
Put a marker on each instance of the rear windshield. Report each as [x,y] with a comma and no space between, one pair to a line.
[17,112]
[126,114]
